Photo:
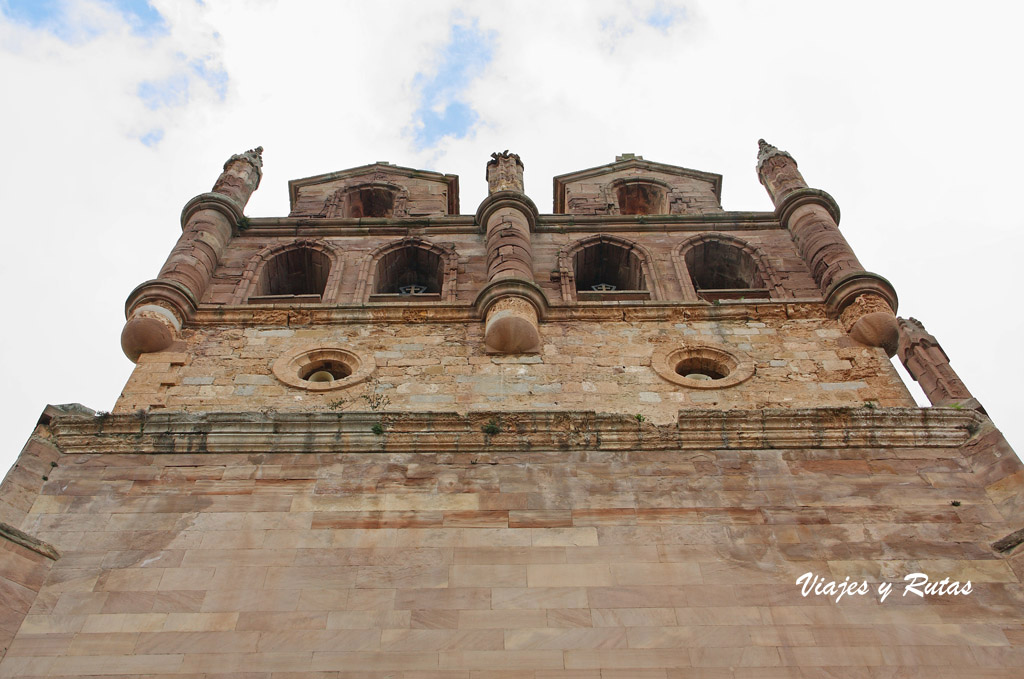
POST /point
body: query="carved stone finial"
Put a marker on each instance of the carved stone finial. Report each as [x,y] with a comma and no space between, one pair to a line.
[766,151]
[254,156]
[504,172]
[241,176]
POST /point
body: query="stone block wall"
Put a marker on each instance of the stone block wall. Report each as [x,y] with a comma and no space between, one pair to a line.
[797,362]
[553,546]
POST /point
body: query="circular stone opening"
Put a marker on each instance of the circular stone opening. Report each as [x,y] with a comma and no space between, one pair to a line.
[699,365]
[319,369]
[702,369]
[325,371]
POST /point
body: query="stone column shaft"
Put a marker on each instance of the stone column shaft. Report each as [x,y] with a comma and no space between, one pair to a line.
[822,245]
[509,253]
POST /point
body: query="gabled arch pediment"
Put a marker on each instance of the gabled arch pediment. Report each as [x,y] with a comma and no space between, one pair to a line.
[360,192]
[632,185]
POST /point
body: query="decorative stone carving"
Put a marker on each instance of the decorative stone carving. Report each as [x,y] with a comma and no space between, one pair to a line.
[504,172]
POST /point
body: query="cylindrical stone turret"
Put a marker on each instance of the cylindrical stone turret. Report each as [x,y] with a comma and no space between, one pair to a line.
[928,364]
[507,215]
[157,309]
[864,302]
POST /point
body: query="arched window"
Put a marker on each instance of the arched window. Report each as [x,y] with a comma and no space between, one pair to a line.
[370,201]
[721,267]
[409,270]
[605,268]
[301,271]
[641,197]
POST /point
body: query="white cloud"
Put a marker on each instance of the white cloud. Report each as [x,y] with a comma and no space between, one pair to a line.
[909,121]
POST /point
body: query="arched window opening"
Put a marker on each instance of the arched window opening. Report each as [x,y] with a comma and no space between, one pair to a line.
[607,267]
[410,272]
[723,271]
[641,198]
[299,272]
[371,201]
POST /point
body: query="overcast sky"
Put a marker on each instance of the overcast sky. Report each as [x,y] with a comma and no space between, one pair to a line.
[115,113]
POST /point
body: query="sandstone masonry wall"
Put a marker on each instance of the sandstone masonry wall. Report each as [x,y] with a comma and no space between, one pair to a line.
[618,549]
[799,362]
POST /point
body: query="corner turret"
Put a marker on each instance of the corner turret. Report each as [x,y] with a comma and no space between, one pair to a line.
[157,309]
[864,302]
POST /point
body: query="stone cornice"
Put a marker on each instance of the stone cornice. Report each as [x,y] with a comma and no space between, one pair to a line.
[442,312]
[511,432]
[551,223]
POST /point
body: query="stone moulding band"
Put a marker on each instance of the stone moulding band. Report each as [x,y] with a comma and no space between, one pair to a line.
[211,201]
[807,196]
[441,312]
[511,287]
[512,199]
[876,429]
[162,289]
[844,290]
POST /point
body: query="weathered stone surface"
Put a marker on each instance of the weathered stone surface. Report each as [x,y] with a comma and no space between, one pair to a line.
[342,465]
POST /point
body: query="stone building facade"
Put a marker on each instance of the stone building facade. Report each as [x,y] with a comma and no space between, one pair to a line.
[381,438]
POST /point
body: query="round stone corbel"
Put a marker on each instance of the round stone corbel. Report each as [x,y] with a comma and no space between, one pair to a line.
[511,310]
[155,310]
[870,320]
[866,304]
[151,328]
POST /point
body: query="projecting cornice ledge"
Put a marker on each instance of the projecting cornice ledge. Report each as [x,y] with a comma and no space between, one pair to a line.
[507,432]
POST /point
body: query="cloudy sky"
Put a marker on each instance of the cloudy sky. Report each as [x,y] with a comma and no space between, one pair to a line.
[116,112]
